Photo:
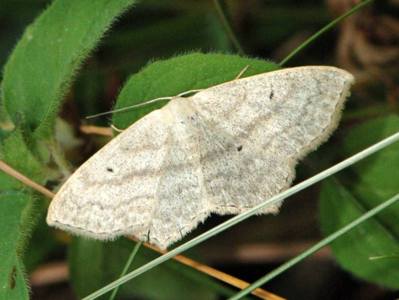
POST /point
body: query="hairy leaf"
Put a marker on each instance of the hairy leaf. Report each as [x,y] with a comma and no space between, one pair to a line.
[15,208]
[15,152]
[179,74]
[43,63]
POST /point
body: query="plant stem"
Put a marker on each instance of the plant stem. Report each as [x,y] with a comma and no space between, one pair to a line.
[227,27]
[25,180]
[323,30]
[126,268]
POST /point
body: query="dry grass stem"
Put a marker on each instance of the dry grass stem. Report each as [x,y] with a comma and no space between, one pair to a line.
[233,281]
[50,273]
[25,180]
[90,129]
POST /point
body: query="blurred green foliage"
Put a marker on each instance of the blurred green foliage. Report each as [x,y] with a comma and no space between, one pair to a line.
[47,67]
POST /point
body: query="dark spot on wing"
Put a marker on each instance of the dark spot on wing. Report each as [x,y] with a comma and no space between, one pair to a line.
[271,95]
[194,117]
[110,169]
[239,148]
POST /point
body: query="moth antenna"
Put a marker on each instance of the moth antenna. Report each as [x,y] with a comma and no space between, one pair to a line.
[241,72]
[129,107]
[141,104]
[189,92]
[384,256]
[116,128]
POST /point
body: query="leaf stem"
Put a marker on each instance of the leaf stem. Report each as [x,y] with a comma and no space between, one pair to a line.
[323,30]
[227,27]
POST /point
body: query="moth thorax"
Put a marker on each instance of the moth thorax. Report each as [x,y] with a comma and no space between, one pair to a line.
[179,107]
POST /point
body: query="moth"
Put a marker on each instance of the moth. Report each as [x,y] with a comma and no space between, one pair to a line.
[223,150]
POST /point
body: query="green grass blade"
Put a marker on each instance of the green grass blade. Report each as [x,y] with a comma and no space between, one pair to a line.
[126,268]
[323,30]
[227,27]
[316,247]
[239,218]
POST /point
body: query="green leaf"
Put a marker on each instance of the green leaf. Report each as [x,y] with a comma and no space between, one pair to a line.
[15,152]
[15,208]
[179,74]
[18,214]
[353,250]
[371,181]
[170,281]
[376,178]
[42,241]
[43,63]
